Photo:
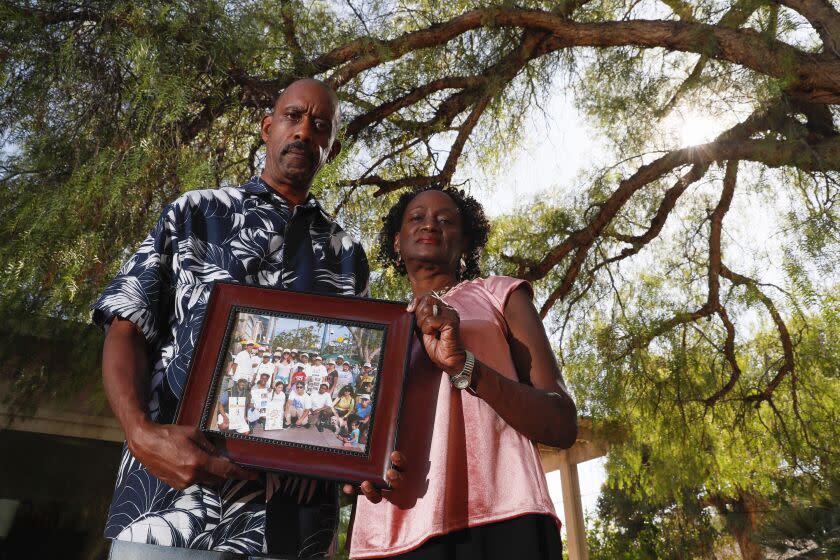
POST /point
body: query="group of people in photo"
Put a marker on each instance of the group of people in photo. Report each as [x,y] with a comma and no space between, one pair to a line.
[264,390]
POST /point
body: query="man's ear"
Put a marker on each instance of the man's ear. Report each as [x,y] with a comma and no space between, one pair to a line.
[265,126]
[335,150]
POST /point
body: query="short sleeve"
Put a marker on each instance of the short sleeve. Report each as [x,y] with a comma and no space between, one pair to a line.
[142,290]
[362,275]
[500,287]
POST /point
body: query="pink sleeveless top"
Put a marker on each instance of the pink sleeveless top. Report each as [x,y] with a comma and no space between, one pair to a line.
[467,466]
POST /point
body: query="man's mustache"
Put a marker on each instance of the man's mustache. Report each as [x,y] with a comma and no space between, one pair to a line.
[298,146]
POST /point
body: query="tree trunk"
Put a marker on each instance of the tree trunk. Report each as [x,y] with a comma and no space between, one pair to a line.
[741,517]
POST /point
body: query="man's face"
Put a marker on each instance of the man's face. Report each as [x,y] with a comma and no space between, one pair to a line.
[299,134]
[322,389]
[241,384]
[299,389]
[345,366]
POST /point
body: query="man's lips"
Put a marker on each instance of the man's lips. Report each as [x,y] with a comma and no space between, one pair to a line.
[429,241]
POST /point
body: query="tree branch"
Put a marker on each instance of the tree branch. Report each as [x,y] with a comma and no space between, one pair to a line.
[787,366]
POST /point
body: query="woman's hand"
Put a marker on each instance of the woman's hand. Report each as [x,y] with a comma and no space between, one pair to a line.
[440,326]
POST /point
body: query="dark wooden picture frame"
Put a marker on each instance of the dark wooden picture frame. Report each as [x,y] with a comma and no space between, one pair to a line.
[207,371]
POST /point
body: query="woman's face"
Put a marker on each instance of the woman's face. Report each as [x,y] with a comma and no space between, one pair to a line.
[431,231]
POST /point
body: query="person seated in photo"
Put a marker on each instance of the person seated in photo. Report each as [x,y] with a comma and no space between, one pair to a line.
[343,406]
[259,395]
[222,419]
[351,439]
[322,407]
[363,410]
[275,410]
[298,407]
[253,417]
[237,405]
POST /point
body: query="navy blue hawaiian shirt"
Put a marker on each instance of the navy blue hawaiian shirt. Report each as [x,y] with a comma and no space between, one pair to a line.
[244,234]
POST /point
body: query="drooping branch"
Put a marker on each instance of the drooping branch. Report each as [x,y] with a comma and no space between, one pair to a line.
[713,299]
[787,366]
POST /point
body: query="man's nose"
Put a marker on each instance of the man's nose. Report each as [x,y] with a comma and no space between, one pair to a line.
[303,131]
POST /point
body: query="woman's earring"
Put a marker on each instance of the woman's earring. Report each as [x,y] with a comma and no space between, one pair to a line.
[399,258]
[463,267]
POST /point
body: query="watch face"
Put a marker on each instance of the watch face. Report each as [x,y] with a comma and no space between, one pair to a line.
[460,381]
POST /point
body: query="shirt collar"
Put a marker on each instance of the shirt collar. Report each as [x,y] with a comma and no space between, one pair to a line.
[257,186]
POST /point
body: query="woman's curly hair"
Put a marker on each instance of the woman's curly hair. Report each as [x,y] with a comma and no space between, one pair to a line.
[476,228]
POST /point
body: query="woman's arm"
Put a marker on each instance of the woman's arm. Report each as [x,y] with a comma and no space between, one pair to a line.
[538,405]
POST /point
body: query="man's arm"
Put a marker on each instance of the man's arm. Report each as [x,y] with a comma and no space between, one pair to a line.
[177,455]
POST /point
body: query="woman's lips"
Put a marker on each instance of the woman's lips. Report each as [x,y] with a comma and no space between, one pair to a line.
[428,241]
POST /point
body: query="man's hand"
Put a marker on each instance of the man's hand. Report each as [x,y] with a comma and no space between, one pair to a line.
[178,455]
[181,456]
[393,476]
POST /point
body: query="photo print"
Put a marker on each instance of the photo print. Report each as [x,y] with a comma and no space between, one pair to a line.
[297,381]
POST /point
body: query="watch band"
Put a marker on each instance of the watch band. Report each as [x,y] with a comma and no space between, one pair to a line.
[462,380]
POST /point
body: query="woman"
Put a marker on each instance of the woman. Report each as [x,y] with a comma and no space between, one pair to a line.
[483,390]
[343,405]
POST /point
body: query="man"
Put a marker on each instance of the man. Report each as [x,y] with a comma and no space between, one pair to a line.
[241,367]
[366,376]
[270,232]
[322,407]
[298,407]
[304,361]
[339,361]
[317,373]
[265,368]
[345,376]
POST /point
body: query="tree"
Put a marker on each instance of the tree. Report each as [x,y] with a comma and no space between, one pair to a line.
[110,109]
[301,338]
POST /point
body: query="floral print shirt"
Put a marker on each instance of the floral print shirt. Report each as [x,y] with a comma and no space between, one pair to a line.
[244,234]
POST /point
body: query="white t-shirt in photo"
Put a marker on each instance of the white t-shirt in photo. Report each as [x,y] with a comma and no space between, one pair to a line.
[265,368]
[243,366]
[300,402]
[320,400]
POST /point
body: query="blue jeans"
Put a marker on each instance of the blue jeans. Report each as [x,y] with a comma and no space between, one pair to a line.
[123,550]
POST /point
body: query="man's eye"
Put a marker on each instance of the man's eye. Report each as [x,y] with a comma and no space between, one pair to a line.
[293,116]
[323,126]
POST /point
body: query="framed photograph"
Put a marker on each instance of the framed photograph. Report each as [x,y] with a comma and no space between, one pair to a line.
[300,383]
